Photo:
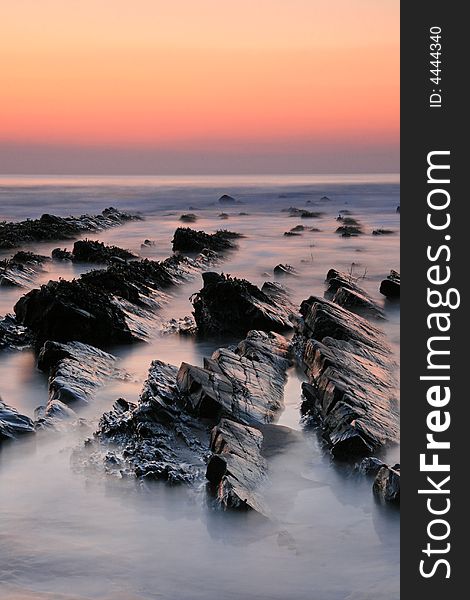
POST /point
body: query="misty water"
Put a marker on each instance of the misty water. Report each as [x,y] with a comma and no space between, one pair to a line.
[68,533]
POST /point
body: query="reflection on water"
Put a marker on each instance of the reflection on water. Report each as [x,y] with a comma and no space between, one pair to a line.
[66,534]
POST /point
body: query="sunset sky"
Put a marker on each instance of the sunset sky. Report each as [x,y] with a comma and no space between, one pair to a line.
[199,86]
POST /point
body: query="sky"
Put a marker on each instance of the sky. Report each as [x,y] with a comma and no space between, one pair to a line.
[199,86]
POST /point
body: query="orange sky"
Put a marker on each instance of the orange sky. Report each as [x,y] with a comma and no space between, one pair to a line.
[245,75]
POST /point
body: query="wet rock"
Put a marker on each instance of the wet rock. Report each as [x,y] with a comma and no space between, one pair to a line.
[298,228]
[148,244]
[369,466]
[292,234]
[12,423]
[387,484]
[246,384]
[284,271]
[223,216]
[183,326]
[351,389]
[190,240]
[21,269]
[357,302]
[12,335]
[76,371]
[89,251]
[236,468]
[390,287]
[227,200]
[51,227]
[302,213]
[349,226]
[383,232]
[107,306]
[61,254]
[227,305]
[398,209]
[170,433]
[188,218]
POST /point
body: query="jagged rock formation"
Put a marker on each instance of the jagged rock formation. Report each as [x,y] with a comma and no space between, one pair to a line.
[12,423]
[21,269]
[350,388]
[186,239]
[344,291]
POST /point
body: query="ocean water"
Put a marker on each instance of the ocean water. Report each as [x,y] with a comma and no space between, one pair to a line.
[66,534]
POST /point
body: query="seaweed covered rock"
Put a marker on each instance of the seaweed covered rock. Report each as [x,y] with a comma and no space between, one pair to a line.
[228,305]
[12,423]
[236,468]
[103,307]
[89,251]
[186,239]
[349,226]
[390,287]
[188,218]
[351,389]
[50,227]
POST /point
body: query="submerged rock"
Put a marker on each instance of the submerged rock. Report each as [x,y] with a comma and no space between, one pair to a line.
[387,484]
[12,335]
[390,287]
[188,218]
[383,232]
[351,389]
[50,227]
[61,254]
[182,326]
[12,423]
[349,226]
[227,305]
[186,239]
[227,200]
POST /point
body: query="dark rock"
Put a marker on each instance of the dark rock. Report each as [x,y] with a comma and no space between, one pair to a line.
[350,389]
[284,270]
[298,228]
[349,226]
[89,251]
[51,227]
[398,209]
[223,216]
[183,326]
[190,240]
[382,232]
[148,244]
[390,287]
[103,307]
[292,234]
[227,305]
[369,466]
[302,213]
[75,371]
[12,335]
[188,218]
[21,269]
[61,254]
[387,484]
[236,468]
[344,291]
[12,423]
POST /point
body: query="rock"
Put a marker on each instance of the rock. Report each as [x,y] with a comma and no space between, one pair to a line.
[21,269]
[51,227]
[382,232]
[227,305]
[88,251]
[183,326]
[344,291]
[227,200]
[284,270]
[190,240]
[223,216]
[369,466]
[298,228]
[148,244]
[349,226]
[387,484]
[246,384]
[236,468]
[351,389]
[302,213]
[75,371]
[103,307]
[12,335]
[188,218]
[12,423]
[170,433]
[398,209]
[390,287]
[61,254]
[291,234]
